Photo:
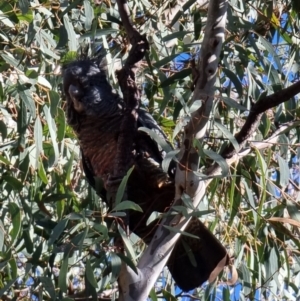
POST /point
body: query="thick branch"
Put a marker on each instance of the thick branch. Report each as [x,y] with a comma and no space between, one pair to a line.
[137,287]
[160,248]
[126,21]
[186,180]
[208,67]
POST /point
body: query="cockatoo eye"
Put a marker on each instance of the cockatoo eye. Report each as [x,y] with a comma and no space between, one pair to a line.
[76,95]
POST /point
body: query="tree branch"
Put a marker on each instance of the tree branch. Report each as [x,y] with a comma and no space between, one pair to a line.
[137,287]
[131,95]
[216,170]
[261,106]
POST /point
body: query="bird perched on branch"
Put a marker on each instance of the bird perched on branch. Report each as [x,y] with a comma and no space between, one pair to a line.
[95,112]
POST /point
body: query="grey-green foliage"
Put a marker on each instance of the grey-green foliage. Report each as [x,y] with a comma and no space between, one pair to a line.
[52,230]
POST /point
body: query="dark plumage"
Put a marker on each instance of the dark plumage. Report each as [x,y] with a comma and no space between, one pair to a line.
[95,112]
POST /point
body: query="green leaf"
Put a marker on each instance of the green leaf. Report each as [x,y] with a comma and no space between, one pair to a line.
[270,261]
[54,102]
[181,232]
[32,74]
[219,160]
[116,264]
[12,61]
[69,167]
[187,200]
[98,33]
[22,125]
[158,139]
[177,34]
[62,278]
[28,18]
[101,230]
[42,172]
[251,200]
[37,253]
[176,77]
[152,295]
[90,274]
[13,182]
[165,60]
[15,214]
[233,103]
[271,51]
[245,277]
[232,76]
[3,129]
[168,296]
[186,6]
[153,216]
[293,210]
[169,157]
[265,125]
[78,240]
[28,241]
[38,137]
[89,14]
[13,268]
[55,197]
[4,160]
[122,187]
[24,5]
[284,172]
[197,24]
[48,287]
[52,130]
[2,235]
[57,231]
[61,124]
[226,294]
[189,253]
[228,135]
[127,205]
[8,285]
[127,243]
[26,97]
[72,39]
[128,262]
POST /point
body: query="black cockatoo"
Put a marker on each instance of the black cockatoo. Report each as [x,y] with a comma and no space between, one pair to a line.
[95,112]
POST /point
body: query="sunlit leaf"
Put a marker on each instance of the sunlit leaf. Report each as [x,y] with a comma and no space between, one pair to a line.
[15,214]
[284,171]
[38,137]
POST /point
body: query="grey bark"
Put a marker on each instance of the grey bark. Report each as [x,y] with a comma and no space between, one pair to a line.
[136,287]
